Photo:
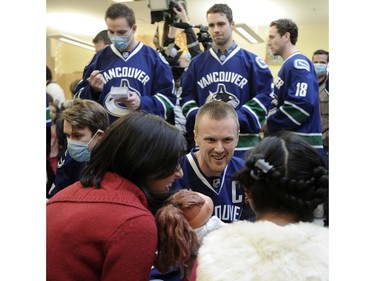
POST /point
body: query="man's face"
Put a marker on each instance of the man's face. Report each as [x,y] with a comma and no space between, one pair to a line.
[216,140]
[118,27]
[276,42]
[100,45]
[81,135]
[320,59]
[220,29]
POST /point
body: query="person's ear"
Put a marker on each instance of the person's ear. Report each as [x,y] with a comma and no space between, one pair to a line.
[100,134]
[287,35]
[195,138]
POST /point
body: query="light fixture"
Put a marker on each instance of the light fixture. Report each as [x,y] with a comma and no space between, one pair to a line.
[158,5]
[74,41]
[121,1]
[249,34]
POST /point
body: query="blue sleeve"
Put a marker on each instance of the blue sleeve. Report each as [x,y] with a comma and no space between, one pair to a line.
[252,114]
[297,102]
[83,88]
[163,96]
[188,96]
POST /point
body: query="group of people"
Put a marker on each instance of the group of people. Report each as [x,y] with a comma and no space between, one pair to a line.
[147,202]
[64,169]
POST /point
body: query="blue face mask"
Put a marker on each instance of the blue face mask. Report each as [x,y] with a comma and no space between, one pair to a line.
[320,69]
[79,150]
[120,42]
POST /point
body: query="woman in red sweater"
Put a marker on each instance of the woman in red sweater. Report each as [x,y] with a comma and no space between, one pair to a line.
[103,227]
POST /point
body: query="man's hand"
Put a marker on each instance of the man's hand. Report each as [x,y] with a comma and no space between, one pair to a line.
[133,102]
[96,81]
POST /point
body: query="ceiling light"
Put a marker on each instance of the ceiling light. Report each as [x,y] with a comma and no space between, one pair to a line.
[121,1]
[158,5]
[74,41]
[249,34]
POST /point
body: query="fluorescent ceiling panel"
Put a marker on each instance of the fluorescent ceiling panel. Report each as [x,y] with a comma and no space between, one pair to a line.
[74,41]
[249,34]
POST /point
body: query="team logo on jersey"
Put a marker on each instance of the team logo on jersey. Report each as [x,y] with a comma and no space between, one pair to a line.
[62,160]
[118,109]
[261,63]
[216,183]
[222,94]
[301,64]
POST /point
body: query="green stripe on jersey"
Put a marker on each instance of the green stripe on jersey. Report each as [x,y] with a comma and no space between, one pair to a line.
[167,104]
[188,107]
[295,113]
[248,141]
[258,110]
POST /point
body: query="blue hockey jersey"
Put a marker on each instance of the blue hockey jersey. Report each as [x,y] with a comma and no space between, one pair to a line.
[241,79]
[143,70]
[297,92]
[68,172]
[227,195]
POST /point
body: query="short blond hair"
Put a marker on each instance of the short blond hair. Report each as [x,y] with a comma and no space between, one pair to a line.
[216,110]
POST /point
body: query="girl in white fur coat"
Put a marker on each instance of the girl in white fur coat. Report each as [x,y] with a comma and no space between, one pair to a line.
[285,179]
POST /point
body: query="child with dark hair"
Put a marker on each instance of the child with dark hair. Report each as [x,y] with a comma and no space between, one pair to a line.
[285,179]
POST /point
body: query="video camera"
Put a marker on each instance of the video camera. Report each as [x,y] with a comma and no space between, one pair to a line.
[162,10]
[202,36]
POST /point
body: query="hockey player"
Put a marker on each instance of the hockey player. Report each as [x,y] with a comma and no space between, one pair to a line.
[208,168]
[130,64]
[231,74]
[296,88]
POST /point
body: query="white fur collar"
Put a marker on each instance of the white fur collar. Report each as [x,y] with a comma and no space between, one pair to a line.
[264,251]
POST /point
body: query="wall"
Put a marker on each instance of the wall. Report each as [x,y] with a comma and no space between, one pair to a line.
[66,62]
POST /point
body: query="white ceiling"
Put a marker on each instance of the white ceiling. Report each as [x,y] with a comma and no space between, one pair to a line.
[83,19]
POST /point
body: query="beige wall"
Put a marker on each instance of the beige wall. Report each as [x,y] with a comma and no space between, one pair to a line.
[68,61]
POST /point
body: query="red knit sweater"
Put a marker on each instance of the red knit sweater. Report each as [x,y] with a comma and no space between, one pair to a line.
[100,234]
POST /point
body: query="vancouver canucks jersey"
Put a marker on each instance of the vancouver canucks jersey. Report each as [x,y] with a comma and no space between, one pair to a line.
[68,172]
[241,79]
[142,70]
[226,194]
[297,92]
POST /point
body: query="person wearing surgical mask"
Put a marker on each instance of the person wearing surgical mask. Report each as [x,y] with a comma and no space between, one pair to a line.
[128,75]
[320,59]
[85,123]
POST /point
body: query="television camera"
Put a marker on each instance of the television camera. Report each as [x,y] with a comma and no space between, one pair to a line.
[162,10]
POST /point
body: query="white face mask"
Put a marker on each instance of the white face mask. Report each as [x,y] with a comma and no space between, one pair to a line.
[121,42]
[320,69]
[79,150]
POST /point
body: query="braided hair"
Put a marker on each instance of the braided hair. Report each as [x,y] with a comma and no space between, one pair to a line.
[284,173]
